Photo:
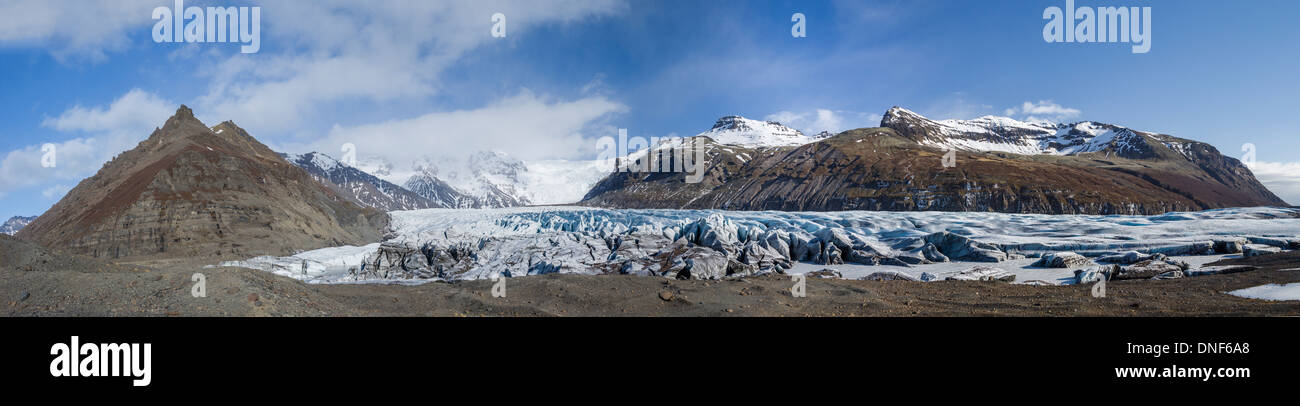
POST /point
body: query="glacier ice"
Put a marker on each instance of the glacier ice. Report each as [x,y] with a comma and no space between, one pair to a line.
[458,244]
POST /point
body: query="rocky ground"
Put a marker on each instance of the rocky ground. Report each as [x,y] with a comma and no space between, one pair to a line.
[36,282]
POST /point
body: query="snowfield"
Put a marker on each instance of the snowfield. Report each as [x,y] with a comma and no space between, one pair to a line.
[453,244]
[1272,291]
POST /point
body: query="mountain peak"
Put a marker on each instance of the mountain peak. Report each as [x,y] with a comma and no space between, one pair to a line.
[741,131]
[168,186]
[738,123]
[319,160]
[183,120]
[898,114]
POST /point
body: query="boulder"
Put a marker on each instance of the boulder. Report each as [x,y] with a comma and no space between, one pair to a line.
[1255,250]
[1062,260]
[703,264]
[1229,245]
[1127,258]
[1193,248]
[1219,270]
[1094,274]
[917,251]
[983,273]
[397,261]
[825,273]
[1283,243]
[1149,269]
[960,248]
[889,276]
[1169,275]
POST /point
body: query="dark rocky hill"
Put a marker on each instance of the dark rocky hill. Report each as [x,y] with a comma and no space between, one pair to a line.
[194,191]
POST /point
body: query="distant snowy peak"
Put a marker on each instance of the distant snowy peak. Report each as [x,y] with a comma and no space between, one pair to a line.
[1004,134]
[14,224]
[358,186]
[315,160]
[740,131]
[489,179]
[428,186]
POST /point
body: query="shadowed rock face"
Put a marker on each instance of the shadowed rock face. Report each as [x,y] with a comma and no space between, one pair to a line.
[194,191]
[896,168]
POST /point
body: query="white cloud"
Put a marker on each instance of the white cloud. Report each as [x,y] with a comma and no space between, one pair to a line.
[134,111]
[74,30]
[340,51]
[1043,111]
[526,126]
[55,192]
[818,120]
[956,106]
[318,57]
[1282,178]
[104,132]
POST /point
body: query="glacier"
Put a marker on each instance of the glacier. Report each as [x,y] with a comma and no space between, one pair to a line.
[461,244]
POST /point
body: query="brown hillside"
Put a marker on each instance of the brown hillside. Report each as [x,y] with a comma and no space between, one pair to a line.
[194,191]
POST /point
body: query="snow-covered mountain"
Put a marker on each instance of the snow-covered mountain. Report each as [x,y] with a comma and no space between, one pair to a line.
[1096,168]
[427,185]
[14,224]
[740,131]
[561,181]
[1003,134]
[492,179]
[485,179]
[361,187]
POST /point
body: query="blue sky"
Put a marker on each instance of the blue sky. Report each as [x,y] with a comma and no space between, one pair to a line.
[406,79]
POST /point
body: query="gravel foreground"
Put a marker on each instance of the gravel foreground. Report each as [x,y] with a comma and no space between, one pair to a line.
[35,282]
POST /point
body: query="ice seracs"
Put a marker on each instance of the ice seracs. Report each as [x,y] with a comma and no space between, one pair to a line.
[449,244]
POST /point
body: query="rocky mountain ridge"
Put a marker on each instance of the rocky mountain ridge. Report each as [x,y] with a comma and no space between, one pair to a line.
[194,191]
[999,164]
[362,188]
